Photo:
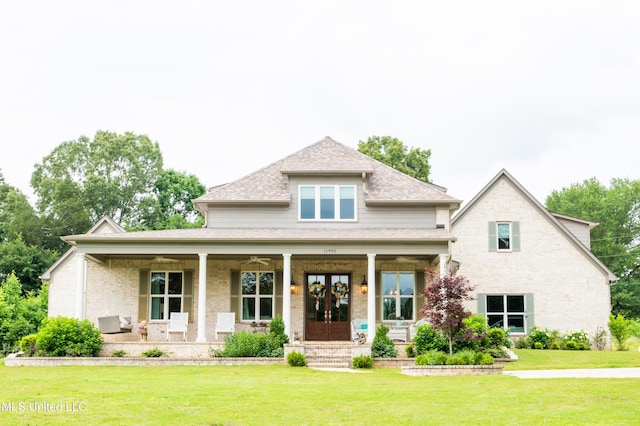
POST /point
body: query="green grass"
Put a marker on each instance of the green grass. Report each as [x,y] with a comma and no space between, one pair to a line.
[282,395]
[532,359]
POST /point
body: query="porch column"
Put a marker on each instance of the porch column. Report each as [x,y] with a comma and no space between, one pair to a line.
[202,298]
[286,294]
[444,258]
[371,297]
[81,266]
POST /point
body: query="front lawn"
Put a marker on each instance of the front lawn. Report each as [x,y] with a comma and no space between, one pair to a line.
[536,359]
[281,395]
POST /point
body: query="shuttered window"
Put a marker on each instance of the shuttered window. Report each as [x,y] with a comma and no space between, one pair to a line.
[508,311]
[504,236]
[163,292]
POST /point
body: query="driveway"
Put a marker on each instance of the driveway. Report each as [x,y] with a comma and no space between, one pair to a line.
[587,373]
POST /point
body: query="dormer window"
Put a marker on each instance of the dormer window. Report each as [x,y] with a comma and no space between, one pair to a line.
[327,203]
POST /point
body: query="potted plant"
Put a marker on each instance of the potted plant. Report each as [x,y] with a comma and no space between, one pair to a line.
[142,329]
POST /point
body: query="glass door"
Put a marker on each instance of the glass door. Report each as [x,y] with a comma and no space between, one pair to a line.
[327,312]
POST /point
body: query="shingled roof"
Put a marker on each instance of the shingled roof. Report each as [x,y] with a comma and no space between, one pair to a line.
[384,184]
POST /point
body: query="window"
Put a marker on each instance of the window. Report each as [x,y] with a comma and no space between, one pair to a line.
[504,236]
[398,290]
[257,296]
[327,202]
[166,294]
[506,311]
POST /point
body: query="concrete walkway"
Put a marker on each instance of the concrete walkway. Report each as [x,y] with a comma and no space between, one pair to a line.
[587,373]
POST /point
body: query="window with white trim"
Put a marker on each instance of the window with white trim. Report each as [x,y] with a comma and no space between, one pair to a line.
[398,295]
[166,294]
[504,236]
[506,311]
[327,202]
[258,296]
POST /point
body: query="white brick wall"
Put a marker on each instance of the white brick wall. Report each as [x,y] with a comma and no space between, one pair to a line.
[570,290]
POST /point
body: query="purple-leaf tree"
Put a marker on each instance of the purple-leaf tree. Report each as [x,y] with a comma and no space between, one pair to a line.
[444,307]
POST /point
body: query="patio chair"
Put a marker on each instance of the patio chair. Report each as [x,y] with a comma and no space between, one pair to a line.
[178,322]
[113,324]
[225,323]
[413,329]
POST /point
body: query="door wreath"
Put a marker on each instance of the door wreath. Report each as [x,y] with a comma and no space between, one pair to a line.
[339,290]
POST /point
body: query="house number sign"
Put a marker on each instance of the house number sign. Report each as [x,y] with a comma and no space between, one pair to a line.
[330,251]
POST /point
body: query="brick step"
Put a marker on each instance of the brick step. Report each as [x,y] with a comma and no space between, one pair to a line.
[329,364]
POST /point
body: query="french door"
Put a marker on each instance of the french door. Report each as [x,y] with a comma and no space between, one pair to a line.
[327,310]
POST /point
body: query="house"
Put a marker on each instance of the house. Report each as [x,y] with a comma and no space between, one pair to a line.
[530,266]
[325,236]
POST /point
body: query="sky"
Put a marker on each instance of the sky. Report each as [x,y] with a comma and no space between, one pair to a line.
[549,90]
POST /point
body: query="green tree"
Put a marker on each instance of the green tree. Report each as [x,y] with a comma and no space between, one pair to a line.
[17,216]
[393,152]
[20,314]
[171,208]
[615,241]
[23,241]
[82,180]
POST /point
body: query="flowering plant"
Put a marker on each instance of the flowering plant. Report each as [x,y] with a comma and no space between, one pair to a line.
[143,325]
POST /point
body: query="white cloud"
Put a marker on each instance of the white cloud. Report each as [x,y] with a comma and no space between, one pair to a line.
[548,90]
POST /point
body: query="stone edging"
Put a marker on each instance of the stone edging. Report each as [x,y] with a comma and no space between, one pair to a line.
[19,361]
[451,370]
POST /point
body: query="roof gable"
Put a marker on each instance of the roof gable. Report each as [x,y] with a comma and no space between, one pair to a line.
[504,175]
[382,184]
[104,226]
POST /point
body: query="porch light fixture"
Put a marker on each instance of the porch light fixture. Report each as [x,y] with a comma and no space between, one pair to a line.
[364,286]
[293,287]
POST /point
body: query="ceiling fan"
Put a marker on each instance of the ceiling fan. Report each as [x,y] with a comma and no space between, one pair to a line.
[406,259]
[162,259]
[260,260]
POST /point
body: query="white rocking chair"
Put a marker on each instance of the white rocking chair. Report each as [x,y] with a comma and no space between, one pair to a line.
[225,323]
[178,322]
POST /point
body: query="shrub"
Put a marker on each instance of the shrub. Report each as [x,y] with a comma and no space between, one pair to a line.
[154,353]
[217,353]
[428,339]
[555,345]
[432,357]
[242,344]
[486,359]
[522,343]
[382,346]
[118,353]
[620,331]
[496,353]
[571,345]
[580,337]
[411,350]
[362,361]
[538,345]
[539,335]
[296,359]
[28,344]
[497,338]
[62,336]
[600,339]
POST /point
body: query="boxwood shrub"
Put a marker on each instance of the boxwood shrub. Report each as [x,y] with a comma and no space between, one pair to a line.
[63,336]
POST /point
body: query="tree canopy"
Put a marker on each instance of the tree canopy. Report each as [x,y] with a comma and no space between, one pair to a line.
[393,152]
[82,180]
[616,240]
